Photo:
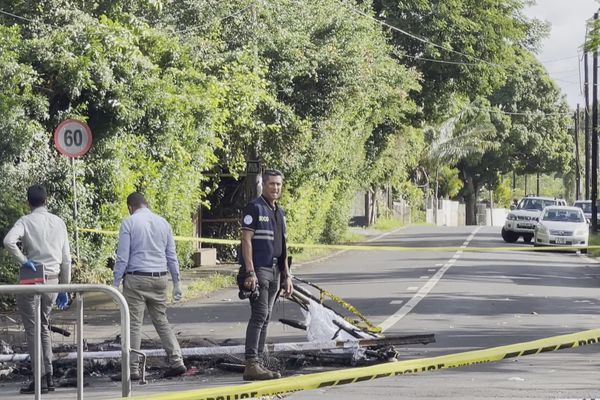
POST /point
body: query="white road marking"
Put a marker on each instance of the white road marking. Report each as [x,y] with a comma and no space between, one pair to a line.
[396,301]
[432,269]
[425,289]
[412,288]
[424,277]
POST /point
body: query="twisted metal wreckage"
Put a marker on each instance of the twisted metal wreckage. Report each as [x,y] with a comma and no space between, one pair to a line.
[333,339]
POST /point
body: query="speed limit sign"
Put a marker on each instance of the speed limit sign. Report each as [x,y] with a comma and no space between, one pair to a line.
[73,138]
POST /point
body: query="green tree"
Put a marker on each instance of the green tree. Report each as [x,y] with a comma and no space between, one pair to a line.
[475,40]
[462,140]
[531,135]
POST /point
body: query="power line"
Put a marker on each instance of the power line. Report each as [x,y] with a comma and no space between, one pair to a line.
[565,81]
[16,16]
[564,71]
[440,61]
[558,59]
[420,39]
[528,113]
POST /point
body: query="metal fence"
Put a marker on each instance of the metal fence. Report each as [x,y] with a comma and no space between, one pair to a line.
[78,290]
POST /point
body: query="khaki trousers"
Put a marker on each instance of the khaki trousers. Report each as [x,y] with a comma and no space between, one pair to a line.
[26,307]
[150,292]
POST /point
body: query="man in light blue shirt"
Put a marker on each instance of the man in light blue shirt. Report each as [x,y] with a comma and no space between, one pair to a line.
[145,253]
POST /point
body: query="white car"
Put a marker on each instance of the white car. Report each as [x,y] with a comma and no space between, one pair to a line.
[522,219]
[586,206]
[562,226]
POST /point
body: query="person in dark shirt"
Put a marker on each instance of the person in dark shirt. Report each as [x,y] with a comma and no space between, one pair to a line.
[264,262]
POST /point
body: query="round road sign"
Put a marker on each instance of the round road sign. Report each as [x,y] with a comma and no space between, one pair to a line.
[73,138]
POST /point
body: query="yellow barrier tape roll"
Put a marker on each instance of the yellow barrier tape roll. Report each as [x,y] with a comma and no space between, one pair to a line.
[347,376]
[364,247]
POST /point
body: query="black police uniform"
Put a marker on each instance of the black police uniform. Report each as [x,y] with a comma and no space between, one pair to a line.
[268,256]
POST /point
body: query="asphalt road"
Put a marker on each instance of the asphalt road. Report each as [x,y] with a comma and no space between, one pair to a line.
[482,300]
[468,300]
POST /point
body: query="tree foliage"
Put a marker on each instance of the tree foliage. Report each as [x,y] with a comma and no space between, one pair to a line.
[173,89]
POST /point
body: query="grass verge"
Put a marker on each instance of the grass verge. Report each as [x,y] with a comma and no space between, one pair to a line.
[594,241]
[308,254]
[211,283]
[386,224]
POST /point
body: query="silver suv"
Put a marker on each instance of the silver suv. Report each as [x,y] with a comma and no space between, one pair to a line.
[586,206]
[523,217]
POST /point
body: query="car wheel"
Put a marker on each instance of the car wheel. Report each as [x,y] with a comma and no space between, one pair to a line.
[583,251]
[508,236]
[527,238]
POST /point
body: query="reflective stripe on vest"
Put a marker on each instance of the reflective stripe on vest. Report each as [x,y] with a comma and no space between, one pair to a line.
[263,237]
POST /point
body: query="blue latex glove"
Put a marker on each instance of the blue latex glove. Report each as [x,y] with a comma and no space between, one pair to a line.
[62,300]
[29,264]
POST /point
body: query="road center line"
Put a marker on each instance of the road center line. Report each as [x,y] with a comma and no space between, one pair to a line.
[420,295]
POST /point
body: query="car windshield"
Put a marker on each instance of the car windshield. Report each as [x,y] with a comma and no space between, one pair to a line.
[586,206]
[563,215]
[535,204]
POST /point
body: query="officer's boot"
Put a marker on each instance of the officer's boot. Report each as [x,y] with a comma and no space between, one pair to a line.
[274,374]
[256,372]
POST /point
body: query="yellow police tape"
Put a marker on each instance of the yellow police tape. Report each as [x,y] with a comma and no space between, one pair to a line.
[363,247]
[346,376]
[348,307]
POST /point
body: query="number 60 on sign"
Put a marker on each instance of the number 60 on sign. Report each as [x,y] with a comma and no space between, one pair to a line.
[73,138]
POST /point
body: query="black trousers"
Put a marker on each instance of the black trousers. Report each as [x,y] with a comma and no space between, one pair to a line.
[261,307]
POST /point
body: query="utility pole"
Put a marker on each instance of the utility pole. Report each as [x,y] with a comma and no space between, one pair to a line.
[253,154]
[514,183]
[594,133]
[586,128]
[537,191]
[577,177]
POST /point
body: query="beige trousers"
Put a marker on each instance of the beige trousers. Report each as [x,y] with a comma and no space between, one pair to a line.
[149,292]
[26,307]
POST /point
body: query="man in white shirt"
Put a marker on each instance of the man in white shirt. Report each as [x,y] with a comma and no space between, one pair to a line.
[45,243]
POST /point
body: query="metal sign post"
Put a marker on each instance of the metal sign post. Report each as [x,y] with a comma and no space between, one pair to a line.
[75,215]
[73,138]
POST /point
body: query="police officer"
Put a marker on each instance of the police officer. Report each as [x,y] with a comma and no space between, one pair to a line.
[264,261]
[43,237]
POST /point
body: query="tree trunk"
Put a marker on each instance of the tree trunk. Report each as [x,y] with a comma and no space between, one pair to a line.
[372,206]
[470,195]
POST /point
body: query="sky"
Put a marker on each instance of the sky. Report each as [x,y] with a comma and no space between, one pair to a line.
[561,50]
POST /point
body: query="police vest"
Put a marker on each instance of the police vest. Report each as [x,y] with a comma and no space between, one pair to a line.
[264,235]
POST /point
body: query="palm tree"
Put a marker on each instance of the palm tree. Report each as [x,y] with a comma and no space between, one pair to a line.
[463,135]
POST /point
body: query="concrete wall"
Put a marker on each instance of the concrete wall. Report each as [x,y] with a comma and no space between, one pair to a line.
[453,213]
[449,213]
[499,216]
